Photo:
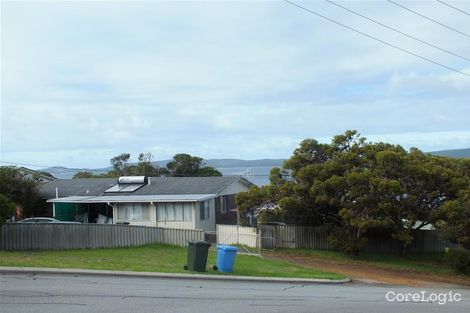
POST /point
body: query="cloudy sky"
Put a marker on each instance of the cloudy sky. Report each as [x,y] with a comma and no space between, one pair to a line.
[83,81]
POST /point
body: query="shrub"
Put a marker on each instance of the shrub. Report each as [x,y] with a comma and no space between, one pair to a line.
[341,239]
[459,259]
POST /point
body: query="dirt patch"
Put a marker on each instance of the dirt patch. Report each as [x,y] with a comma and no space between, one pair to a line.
[373,274]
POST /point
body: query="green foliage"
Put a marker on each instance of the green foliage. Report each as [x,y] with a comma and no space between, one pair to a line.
[119,163]
[278,176]
[453,220]
[248,201]
[7,209]
[343,240]
[208,171]
[19,189]
[184,165]
[309,152]
[144,167]
[459,259]
[84,175]
[356,185]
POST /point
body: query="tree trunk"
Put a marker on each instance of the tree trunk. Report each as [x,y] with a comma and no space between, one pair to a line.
[402,248]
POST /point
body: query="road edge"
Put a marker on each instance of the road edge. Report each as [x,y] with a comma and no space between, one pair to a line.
[69,271]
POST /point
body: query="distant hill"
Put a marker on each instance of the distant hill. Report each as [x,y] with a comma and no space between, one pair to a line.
[65,172]
[223,163]
[236,164]
[454,153]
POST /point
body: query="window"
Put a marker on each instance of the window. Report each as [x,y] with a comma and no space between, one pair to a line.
[223,204]
[174,212]
[204,210]
[170,211]
[133,212]
[231,203]
[161,212]
[227,203]
[188,211]
[178,211]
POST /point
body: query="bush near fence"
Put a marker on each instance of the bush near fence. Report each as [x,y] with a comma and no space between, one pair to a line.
[90,236]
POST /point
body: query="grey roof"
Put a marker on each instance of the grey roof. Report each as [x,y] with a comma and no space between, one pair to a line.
[76,187]
[158,186]
[187,185]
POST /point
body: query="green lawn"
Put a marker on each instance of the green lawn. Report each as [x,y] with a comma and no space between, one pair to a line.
[418,262]
[154,258]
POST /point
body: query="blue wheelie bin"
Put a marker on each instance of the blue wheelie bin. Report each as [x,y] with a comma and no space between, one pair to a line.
[226,258]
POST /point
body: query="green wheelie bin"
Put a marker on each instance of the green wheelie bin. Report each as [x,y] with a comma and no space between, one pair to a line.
[197,255]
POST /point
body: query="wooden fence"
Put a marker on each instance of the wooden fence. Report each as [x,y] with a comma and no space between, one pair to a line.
[89,236]
[291,236]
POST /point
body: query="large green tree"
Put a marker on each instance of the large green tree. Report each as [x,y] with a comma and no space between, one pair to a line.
[453,219]
[353,185]
[7,208]
[19,189]
[144,167]
[426,184]
[120,163]
[187,165]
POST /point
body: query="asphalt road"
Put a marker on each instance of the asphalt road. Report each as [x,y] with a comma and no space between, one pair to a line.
[70,294]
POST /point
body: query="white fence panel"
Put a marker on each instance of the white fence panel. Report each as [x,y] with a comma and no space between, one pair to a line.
[237,235]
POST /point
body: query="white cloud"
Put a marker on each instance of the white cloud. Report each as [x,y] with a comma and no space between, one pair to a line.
[83,80]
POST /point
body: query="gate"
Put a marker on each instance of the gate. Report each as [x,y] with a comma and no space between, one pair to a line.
[268,236]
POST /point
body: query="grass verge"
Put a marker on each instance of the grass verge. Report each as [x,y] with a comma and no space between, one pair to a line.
[432,263]
[154,258]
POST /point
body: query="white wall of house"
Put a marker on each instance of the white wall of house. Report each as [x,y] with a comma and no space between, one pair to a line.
[207,224]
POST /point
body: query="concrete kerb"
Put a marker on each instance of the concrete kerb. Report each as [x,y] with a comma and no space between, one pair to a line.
[85,272]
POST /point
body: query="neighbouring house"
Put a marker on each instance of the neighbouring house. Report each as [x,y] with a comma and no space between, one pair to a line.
[170,202]
[40,177]
[36,176]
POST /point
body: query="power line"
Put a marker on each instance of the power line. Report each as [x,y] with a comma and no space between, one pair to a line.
[451,6]
[428,18]
[376,39]
[396,30]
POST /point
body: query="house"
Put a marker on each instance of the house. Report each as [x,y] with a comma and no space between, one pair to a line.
[170,202]
[40,177]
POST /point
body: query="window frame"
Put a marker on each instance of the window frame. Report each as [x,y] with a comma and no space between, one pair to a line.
[204,210]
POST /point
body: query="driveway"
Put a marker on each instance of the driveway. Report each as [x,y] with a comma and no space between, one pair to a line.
[66,293]
[366,273]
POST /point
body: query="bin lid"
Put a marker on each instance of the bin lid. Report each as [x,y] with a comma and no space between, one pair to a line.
[227,248]
[202,243]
